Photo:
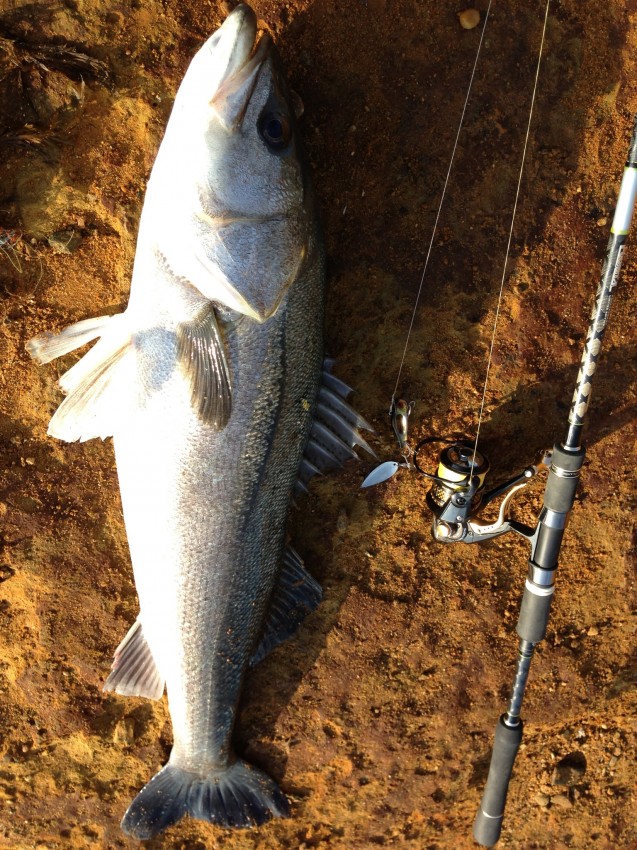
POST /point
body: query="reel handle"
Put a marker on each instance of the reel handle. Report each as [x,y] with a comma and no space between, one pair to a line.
[488,821]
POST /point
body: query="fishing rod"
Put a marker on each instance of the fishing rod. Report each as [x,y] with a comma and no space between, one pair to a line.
[457,494]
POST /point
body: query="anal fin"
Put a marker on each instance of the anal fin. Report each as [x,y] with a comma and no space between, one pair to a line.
[134,672]
[295,596]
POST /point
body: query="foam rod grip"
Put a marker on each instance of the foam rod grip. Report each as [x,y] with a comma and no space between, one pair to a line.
[488,822]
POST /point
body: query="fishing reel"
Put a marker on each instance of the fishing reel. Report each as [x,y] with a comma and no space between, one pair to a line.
[457,493]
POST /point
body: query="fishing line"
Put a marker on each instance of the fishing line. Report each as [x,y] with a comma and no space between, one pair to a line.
[442,198]
[508,248]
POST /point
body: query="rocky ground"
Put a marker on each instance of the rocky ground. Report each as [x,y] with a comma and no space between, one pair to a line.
[377,718]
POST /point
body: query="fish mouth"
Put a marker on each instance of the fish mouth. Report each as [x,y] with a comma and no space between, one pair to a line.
[238,56]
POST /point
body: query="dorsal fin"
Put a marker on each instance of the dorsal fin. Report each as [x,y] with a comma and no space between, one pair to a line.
[334,431]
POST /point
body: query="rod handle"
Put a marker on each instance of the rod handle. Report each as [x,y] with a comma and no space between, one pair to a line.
[488,821]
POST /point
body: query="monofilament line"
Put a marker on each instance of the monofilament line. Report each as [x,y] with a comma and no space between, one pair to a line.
[508,248]
[442,198]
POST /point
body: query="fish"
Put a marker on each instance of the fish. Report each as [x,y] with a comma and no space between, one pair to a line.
[214,387]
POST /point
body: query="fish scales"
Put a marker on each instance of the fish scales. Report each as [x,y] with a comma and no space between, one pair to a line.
[218,525]
[208,385]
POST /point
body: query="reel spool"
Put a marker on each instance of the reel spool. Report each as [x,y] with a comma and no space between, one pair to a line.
[457,465]
[457,488]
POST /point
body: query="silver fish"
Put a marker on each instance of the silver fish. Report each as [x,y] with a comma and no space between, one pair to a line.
[213,386]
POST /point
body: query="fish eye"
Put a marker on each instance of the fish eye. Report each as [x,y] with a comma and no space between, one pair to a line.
[275,130]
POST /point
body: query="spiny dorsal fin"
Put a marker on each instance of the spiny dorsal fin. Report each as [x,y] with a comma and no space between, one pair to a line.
[334,433]
[201,353]
[134,672]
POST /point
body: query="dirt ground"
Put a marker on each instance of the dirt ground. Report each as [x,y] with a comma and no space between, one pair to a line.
[377,717]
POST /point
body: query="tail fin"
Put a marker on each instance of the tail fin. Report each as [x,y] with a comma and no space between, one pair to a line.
[240,796]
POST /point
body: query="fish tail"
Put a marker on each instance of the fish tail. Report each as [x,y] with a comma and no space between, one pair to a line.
[239,796]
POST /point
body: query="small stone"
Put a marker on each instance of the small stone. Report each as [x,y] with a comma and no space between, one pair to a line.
[593,630]
[542,800]
[124,731]
[6,572]
[469,18]
[332,730]
[601,222]
[115,18]
[562,801]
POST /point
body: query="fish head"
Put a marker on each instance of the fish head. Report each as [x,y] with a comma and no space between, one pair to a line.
[232,172]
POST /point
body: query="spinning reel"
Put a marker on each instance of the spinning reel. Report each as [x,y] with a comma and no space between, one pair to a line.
[457,493]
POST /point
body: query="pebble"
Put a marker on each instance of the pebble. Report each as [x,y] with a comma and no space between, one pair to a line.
[562,801]
[124,731]
[115,18]
[570,769]
[542,800]
[592,631]
[469,18]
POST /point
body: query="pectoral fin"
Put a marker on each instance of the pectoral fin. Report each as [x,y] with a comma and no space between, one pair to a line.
[201,354]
